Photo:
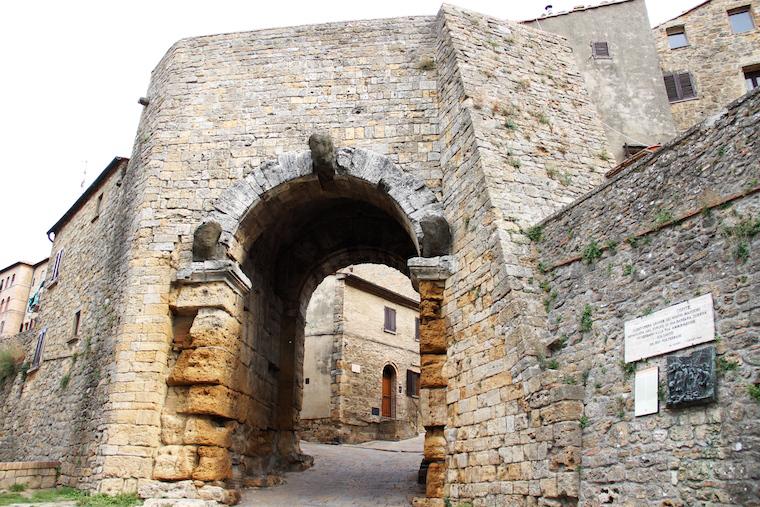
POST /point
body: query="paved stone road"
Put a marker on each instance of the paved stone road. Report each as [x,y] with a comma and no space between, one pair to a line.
[376,474]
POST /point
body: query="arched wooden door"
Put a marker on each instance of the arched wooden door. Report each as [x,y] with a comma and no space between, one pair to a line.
[389,382]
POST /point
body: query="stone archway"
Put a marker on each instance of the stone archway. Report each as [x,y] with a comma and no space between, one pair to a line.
[235,388]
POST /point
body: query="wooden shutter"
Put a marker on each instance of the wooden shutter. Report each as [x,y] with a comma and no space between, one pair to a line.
[412,383]
[670,87]
[600,50]
[390,320]
[686,86]
[37,359]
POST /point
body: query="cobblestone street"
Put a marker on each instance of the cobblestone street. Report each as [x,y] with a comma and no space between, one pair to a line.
[372,474]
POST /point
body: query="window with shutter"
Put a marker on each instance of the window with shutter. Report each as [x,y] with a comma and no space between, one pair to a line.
[600,50]
[679,86]
[56,266]
[412,383]
[390,320]
[37,359]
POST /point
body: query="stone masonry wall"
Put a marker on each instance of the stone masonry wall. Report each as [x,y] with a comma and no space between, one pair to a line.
[714,57]
[683,222]
[510,157]
[59,411]
[220,106]
[31,474]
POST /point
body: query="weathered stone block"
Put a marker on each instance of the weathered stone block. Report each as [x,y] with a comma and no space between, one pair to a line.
[435,445]
[213,327]
[433,336]
[172,429]
[203,431]
[211,400]
[433,406]
[431,366]
[204,365]
[175,462]
[436,477]
[215,464]
[562,411]
[193,297]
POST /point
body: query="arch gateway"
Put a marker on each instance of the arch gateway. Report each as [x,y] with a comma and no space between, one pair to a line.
[460,149]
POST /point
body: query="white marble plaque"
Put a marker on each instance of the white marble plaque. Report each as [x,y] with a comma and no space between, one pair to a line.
[645,393]
[676,327]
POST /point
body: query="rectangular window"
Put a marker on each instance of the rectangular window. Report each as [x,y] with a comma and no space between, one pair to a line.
[13,280]
[677,37]
[679,86]
[412,383]
[37,359]
[390,320]
[752,76]
[77,320]
[98,205]
[741,19]
[56,266]
[2,326]
[600,50]
[1,284]
[417,328]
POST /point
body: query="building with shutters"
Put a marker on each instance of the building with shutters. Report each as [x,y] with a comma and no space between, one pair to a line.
[614,51]
[709,55]
[366,317]
[20,282]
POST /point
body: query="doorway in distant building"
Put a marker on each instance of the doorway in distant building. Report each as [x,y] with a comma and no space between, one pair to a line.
[389,398]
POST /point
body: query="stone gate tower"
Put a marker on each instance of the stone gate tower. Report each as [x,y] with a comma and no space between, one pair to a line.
[440,141]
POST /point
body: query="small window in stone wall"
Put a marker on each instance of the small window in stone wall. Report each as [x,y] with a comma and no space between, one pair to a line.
[677,37]
[741,19]
[417,328]
[56,267]
[679,86]
[98,205]
[752,76]
[77,322]
[389,324]
[37,358]
[600,50]
[412,383]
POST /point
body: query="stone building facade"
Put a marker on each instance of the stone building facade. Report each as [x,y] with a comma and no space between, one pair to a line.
[454,136]
[365,316]
[709,55]
[615,53]
[19,282]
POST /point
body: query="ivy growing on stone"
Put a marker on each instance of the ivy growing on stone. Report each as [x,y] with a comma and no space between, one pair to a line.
[591,253]
[586,321]
[535,233]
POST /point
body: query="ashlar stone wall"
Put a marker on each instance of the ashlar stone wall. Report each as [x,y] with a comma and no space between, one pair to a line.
[511,157]
[682,223]
[59,411]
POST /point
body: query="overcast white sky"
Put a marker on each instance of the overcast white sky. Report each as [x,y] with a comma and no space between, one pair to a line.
[73,70]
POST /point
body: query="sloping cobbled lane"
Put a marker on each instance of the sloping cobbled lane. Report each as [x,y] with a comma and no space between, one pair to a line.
[377,474]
